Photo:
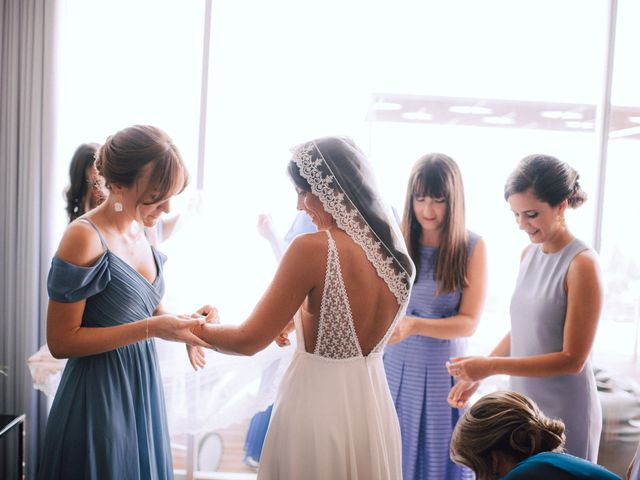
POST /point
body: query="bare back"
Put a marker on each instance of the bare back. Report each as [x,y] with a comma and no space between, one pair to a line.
[373,307]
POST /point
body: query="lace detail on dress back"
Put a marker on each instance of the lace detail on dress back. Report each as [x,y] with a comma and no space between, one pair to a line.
[336,333]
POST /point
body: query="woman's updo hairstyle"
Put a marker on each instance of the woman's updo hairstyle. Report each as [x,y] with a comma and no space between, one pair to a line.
[505,422]
[123,157]
[551,180]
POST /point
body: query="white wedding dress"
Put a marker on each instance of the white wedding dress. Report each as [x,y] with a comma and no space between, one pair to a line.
[334,417]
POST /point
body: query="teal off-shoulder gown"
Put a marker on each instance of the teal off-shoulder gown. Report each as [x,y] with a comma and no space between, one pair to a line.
[108,418]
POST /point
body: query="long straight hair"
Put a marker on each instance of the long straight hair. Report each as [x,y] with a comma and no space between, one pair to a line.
[436,175]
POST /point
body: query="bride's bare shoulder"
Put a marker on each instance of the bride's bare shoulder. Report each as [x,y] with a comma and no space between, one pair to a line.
[309,243]
[307,253]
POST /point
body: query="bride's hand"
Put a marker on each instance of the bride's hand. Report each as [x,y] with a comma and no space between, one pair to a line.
[403,329]
[209,312]
[176,328]
[282,340]
[196,356]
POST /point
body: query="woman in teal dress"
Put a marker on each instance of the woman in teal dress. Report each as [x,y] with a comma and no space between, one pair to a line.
[504,435]
[105,285]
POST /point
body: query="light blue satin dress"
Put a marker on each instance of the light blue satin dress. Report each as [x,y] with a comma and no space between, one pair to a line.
[538,311]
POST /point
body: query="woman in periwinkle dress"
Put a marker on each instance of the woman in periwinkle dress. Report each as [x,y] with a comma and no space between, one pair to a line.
[445,306]
[555,309]
[105,284]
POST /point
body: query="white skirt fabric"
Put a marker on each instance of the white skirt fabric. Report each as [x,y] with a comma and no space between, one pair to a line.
[333,419]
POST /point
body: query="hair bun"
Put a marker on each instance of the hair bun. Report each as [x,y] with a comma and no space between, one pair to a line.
[552,434]
[526,439]
[577,196]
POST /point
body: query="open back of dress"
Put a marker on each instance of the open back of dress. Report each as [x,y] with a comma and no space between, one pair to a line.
[334,416]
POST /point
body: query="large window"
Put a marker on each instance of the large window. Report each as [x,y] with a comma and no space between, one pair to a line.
[527,74]
[620,259]
[123,63]
[484,82]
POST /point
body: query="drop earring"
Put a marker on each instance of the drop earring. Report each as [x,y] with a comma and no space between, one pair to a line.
[117,206]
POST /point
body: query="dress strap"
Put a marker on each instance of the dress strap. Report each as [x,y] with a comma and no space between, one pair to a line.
[331,240]
[102,241]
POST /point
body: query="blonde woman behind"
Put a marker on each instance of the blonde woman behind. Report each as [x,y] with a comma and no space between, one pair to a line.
[504,435]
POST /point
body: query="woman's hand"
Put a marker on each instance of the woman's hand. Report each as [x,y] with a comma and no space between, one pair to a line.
[176,328]
[209,312]
[196,353]
[196,356]
[470,369]
[265,226]
[461,392]
[403,329]
[282,340]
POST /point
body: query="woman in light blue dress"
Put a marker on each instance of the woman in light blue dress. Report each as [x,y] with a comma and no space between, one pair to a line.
[445,306]
[555,309]
[105,284]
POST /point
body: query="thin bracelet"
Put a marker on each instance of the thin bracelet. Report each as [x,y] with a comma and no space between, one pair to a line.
[146,324]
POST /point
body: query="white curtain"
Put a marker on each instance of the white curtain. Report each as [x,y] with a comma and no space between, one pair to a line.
[26,146]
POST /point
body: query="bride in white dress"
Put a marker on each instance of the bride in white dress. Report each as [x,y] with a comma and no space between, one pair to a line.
[349,282]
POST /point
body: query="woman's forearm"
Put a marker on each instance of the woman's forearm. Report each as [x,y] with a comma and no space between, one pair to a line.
[444,328]
[229,339]
[555,363]
[544,365]
[85,341]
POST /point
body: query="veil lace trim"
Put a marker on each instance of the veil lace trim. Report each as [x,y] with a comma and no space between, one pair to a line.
[326,188]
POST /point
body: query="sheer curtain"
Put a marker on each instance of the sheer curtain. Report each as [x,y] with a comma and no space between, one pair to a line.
[27,31]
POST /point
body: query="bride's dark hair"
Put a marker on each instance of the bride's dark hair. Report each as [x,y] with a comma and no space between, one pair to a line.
[349,167]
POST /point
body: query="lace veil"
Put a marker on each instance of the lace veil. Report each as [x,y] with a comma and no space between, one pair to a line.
[339,174]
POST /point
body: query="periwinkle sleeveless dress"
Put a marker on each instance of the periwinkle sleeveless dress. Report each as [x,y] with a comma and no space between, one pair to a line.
[333,417]
[420,383]
[108,418]
[538,310]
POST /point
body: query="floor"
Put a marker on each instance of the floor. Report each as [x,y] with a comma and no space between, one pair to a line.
[223,449]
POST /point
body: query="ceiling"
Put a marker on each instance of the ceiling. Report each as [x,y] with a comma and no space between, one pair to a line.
[388,107]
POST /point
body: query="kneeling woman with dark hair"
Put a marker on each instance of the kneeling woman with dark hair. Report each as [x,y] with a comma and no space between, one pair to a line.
[504,435]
